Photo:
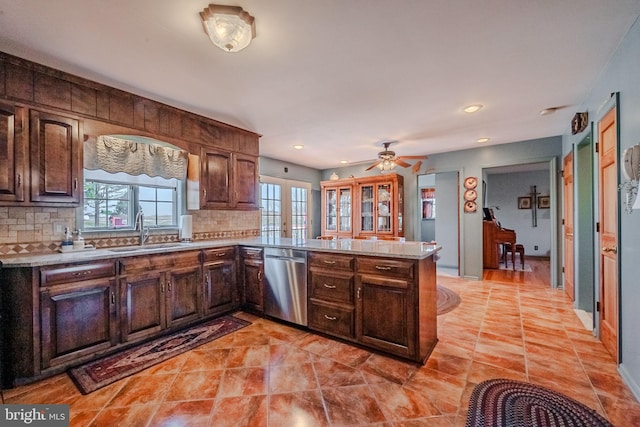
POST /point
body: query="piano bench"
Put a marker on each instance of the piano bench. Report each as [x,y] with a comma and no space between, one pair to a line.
[507,247]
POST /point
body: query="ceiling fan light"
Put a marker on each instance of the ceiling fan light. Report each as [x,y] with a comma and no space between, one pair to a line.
[229,27]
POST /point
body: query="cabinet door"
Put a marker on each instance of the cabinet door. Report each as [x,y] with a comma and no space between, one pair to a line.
[330,217]
[253,285]
[220,287]
[142,305]
[216,178]
[55,159]
[183,290]
[13,148]
[367,203]
[385,314]
[245,181]
[76,320]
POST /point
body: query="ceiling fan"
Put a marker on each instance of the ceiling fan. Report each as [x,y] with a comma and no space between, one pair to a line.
[387,160]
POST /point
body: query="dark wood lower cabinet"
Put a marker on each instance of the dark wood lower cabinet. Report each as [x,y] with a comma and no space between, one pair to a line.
[159,292]
[77,319]
[61,315]
[220,277]
[253,279]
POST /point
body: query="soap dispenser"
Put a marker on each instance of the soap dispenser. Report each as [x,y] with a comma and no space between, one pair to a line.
[67,243]
[78,244]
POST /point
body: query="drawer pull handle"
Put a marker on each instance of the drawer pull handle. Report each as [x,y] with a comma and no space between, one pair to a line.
[169,286]
[328,261]
[221,254]
[113,297]
[19,180]
[330,317]
[82,273]
[259,275]
[358,293]
[329,286]
[383,267]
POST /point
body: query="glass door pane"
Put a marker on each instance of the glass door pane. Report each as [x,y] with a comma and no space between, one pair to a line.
[331,214]
[345,210]
[271,212]
[366,208]
[384,208]
[299,209]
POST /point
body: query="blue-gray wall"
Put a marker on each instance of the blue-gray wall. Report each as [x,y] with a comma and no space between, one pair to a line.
[622,75]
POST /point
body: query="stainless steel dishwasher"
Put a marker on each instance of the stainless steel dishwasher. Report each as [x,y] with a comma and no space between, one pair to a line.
[285,272]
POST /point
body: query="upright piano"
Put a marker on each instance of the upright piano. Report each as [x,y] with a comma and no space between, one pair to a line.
[493,236]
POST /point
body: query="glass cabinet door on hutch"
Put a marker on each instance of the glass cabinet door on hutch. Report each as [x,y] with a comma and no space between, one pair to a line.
[385,208]
[345,210]
[331,210]
[366,208]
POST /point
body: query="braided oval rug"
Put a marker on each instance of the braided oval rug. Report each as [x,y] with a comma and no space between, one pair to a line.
[508,403]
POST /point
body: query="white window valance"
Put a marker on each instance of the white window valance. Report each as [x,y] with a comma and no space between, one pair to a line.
[135,155]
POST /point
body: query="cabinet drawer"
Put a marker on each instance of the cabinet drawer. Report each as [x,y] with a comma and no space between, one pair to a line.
[158,262]
[386,267]
[332,261]
[331,286]
[331,319]
[75,272]
[219,254]
[251,253]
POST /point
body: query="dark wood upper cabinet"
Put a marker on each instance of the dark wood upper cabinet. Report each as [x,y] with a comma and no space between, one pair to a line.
[230,180]
[56,171]
[13,149]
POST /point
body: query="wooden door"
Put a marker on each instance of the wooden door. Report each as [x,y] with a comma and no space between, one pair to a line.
[220,287]
[245,181]
[568,261]
[142,305]
[216,179]
[608,204]
[77,319]
[13,146]
[55,159]
[183,290]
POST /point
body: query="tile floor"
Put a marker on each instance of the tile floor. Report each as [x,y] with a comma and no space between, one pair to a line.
[510,325]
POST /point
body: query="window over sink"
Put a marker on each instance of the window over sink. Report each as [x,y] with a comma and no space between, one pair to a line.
[124,175]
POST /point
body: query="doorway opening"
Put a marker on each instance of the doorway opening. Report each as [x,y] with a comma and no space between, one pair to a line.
[438,193]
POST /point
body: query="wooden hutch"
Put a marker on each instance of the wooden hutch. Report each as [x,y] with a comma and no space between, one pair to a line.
[363,207]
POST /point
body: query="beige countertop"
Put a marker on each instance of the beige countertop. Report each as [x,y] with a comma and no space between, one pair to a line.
[393,249]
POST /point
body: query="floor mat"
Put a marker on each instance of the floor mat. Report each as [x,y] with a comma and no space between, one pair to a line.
[99,373]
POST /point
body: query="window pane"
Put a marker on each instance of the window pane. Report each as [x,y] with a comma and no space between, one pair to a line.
[147,193]
[165,194]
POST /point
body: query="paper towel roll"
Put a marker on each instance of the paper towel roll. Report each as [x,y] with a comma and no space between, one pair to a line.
[186,230]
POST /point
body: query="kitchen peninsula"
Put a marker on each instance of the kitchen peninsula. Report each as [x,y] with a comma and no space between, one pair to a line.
[63,309]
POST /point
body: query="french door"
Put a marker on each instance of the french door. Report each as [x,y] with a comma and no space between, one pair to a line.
[285,208]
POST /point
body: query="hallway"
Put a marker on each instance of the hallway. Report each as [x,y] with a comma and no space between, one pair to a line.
[510,325]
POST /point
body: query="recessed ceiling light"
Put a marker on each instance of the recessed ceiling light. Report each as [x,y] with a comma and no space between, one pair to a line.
[483,140]
[472,108]
[298,146]
[344,161]
[548,111]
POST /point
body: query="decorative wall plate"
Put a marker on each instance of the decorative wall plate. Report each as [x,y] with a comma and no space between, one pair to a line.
[470,195]
[470,182]
[470,206]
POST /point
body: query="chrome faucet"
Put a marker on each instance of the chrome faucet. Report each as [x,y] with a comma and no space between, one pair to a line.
[139,226]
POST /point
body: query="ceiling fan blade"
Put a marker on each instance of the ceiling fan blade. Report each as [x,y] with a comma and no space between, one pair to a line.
[416,166]
[402,163]
[414,157]
[373,165]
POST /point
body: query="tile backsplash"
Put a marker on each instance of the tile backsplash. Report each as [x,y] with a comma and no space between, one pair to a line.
[27,230]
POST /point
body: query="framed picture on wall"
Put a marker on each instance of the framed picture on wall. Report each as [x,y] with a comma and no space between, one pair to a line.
[544,202]
[524,202]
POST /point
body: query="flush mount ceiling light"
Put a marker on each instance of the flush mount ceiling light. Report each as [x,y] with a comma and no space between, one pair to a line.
[472,108]
[229,27]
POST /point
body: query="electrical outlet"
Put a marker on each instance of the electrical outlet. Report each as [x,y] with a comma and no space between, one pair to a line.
[535,248]
[58,228]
